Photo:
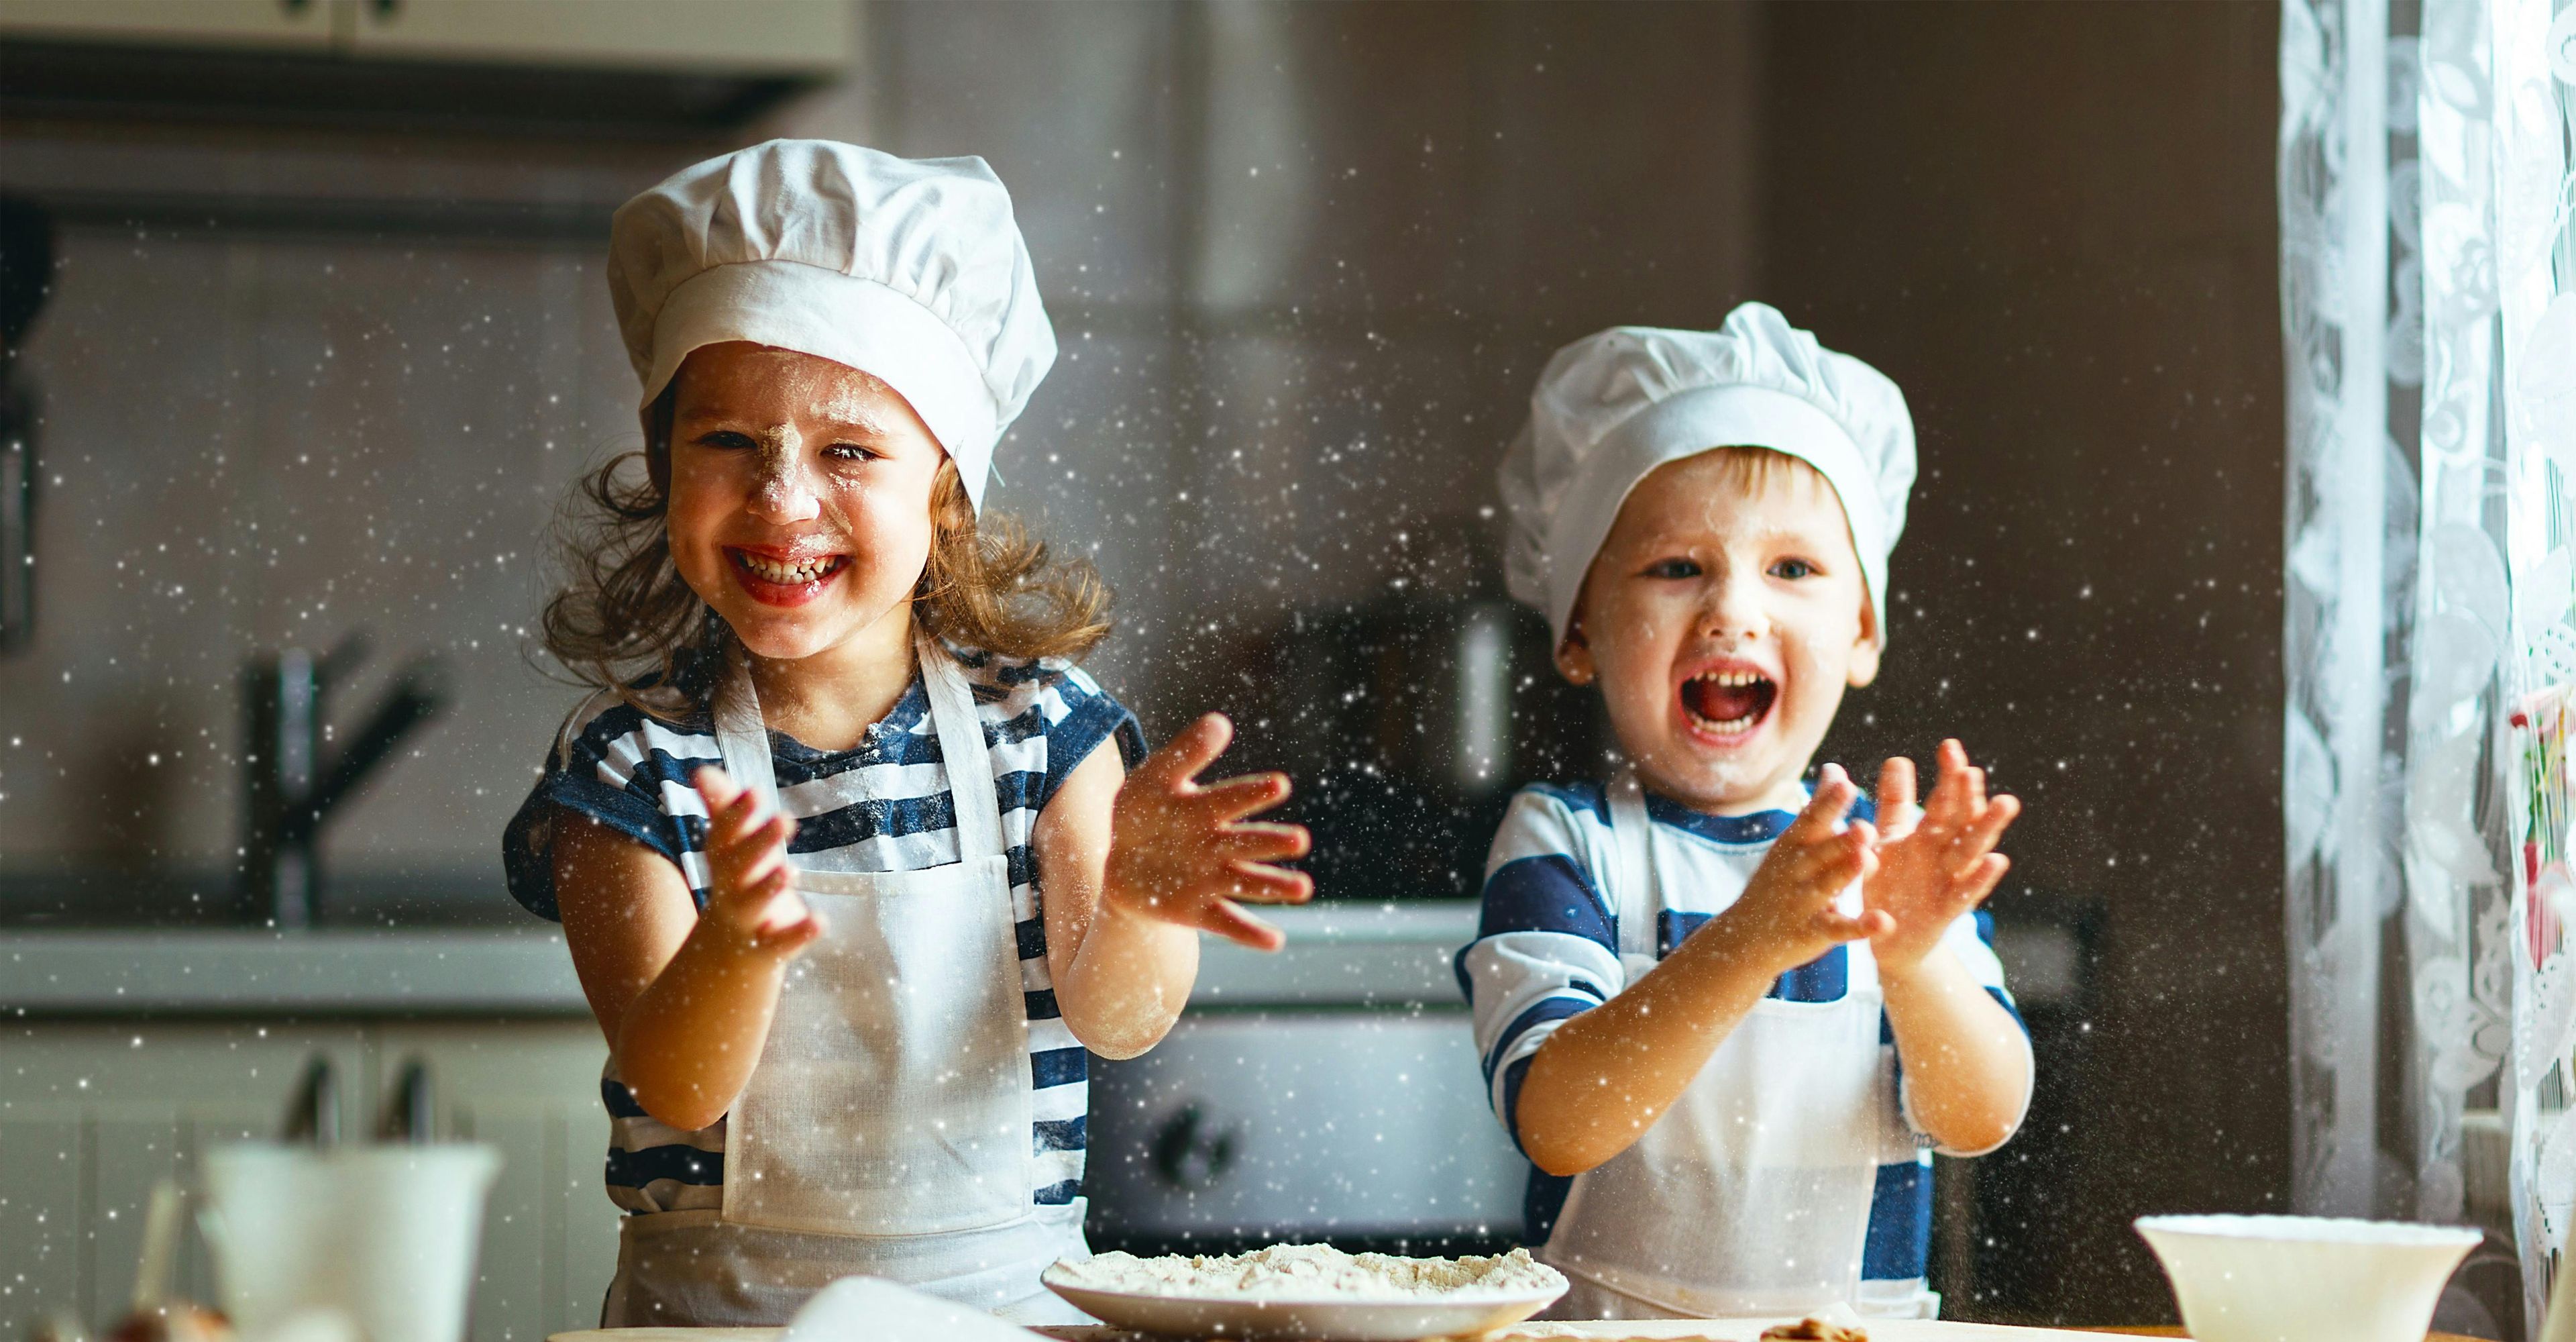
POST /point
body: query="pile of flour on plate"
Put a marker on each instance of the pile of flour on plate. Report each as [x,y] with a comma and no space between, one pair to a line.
[1309,1272]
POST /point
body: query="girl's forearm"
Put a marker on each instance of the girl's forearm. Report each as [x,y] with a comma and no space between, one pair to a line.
[1967,1065]
[688,1042]
[1128,983]
[1605,1076]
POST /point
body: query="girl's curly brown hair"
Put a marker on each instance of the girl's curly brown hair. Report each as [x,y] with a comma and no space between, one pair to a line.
[625,622]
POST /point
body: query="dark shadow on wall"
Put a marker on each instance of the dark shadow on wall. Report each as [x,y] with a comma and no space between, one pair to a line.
[2054,227]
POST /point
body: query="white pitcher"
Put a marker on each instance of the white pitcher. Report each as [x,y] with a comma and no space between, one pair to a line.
[384,1235]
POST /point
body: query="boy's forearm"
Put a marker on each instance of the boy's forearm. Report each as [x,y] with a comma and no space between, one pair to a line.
[1605,1076]
[1128,983]
[1967,1064]
[688,1042]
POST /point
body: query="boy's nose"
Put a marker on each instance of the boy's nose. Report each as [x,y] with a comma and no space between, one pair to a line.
[1734,611]
[783,494]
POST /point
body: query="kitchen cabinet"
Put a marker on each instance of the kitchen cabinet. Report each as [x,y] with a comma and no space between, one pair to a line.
[708,35]
[278,25]
[92,1114]
[701,36]
[1327,1089]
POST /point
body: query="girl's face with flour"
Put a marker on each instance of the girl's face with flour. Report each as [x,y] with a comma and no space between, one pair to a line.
[799,500]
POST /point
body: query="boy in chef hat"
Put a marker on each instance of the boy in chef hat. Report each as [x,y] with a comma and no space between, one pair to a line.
[1722,1012]
[832,846]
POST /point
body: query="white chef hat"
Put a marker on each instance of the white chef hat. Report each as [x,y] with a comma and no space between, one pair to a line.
[1612,407]
[911,270]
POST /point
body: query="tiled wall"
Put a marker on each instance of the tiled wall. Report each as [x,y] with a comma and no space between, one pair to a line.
[1303,261]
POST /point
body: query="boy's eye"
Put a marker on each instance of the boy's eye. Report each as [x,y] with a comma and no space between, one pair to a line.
[1793,569]
[1673,568]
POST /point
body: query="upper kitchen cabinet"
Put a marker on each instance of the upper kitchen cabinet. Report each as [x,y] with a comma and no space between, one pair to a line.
[284,25]
[816,36]
[510,67]
[709,35]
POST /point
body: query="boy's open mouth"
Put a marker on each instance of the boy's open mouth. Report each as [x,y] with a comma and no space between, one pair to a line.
[781,581]
[1728,703]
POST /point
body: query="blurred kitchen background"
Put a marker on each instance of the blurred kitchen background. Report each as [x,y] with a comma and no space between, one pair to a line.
[326,345]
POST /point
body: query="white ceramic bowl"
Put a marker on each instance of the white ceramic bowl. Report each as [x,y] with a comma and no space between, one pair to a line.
[2305,1278]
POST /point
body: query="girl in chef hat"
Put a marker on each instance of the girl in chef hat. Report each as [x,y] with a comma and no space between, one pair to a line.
[848,878]
[1695,982]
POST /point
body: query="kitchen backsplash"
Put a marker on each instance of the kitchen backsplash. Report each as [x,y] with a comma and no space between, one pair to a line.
[1302,263]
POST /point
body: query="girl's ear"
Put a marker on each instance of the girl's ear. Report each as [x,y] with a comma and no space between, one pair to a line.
[1574,655]
[1865,649]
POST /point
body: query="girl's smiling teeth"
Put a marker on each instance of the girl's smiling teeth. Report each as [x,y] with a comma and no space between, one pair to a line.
[786,572]
[1727,703]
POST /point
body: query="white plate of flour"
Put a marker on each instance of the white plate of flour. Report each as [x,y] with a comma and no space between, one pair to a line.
[1308,1291]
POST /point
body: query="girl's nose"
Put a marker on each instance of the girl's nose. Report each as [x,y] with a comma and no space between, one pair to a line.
[783,494]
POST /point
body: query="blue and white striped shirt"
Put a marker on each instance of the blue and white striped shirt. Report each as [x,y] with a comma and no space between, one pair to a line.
[882,806]
[1547,949]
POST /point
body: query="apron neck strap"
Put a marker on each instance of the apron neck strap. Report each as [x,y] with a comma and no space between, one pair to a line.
[962,750]
[743,738]
[1632,840]
[742,735]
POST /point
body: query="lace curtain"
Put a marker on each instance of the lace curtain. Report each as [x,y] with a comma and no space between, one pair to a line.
[2426,267]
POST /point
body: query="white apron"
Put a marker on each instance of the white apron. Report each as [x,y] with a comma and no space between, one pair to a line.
[1751,1195]
[886,1128]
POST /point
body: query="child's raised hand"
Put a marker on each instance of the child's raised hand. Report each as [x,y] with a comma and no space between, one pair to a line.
[1936,861]
[1787,910]
[751,892]
[1182,853]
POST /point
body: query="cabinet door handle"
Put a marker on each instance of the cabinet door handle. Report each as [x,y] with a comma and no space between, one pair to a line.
[387,10]
[411,1109]
[295,9]
[313,1116]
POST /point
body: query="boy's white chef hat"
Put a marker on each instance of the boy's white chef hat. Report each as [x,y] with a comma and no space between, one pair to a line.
[912,270]
[1613,406]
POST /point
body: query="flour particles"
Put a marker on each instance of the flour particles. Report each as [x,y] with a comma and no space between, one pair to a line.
[1309,1272]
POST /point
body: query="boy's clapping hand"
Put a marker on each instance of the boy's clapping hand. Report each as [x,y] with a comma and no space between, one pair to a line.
[1936,861]
[1183,853]
[1787,909]
[751,892]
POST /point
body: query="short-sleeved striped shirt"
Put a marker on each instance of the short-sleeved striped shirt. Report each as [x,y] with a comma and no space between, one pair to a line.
[1547,950]
[882,806]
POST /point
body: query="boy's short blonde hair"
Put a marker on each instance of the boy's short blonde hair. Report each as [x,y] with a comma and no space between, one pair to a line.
[1758,470]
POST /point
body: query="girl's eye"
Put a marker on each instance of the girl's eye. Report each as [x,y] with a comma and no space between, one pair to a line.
[1673,568]
[1793,569]
[850,452]
[725,439]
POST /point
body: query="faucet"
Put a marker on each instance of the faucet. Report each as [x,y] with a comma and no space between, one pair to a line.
[290,789]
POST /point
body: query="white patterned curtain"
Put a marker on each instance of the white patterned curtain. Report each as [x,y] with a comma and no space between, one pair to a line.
[2426,267]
